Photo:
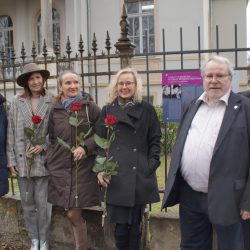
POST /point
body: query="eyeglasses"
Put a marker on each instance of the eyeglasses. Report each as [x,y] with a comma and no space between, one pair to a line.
[127,84]
[217,77]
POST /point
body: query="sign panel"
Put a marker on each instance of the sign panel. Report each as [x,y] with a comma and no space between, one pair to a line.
[181,77]
[179,87]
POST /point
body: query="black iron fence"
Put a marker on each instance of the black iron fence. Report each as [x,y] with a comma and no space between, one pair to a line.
[94,66]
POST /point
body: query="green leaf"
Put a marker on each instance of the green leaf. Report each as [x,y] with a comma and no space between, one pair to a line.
[88,133]
[98,168]
[63,143]
[28,132]
[112,137]
[79,122]
[100,160]
[80,140]
[111,166]
[40,141]
[101,142]
[113,172]
[73,121]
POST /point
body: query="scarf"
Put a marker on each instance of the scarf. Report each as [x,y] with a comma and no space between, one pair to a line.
[67,102]
[124,105]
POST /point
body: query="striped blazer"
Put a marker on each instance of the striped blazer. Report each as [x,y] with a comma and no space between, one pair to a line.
[20,115]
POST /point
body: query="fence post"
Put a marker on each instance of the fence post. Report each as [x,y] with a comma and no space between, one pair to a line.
[124,46]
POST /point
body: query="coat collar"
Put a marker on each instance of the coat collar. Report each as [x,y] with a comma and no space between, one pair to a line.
[42,108]
[234,106]
[124,116]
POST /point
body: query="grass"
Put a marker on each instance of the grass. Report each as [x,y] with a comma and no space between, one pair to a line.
[161,173]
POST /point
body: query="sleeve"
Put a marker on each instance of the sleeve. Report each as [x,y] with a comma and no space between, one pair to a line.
[154,137]
[11,158]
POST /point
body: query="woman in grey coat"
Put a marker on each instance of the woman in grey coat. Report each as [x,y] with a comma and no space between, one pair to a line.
[25,153]
[136,149]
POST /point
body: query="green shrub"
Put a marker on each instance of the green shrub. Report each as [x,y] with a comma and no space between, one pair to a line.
[169,130]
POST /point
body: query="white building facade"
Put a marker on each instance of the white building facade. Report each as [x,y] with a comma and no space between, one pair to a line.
[29,22]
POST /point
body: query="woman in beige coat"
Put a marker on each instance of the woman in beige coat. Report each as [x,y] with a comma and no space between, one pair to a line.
[29,110]
[72,184]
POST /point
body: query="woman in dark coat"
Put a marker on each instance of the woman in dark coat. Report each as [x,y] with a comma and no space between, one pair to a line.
[70,188]
[136,149]
[4,185]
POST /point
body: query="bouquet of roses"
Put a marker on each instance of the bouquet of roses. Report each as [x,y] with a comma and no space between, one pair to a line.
[32,135]
[105,164]
[74,121]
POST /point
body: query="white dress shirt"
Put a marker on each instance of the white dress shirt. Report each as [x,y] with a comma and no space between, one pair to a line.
[200,142]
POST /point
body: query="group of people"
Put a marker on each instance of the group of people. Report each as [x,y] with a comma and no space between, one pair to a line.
[209,170]
[50,173]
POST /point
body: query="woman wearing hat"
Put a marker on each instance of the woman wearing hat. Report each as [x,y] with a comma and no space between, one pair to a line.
[25,151]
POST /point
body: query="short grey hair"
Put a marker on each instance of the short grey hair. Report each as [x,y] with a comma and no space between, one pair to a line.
[222,60]
[113,85]
[57,98]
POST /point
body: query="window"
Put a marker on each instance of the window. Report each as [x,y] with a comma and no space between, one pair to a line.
[141,18]
[6,35]
[55,30]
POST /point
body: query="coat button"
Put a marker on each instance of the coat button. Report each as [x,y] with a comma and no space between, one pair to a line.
[21,139]
[21,155]
[135,132]
[134,149]
[134,168]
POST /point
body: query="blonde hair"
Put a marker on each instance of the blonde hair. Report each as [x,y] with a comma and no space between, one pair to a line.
[57,98]
[113,85]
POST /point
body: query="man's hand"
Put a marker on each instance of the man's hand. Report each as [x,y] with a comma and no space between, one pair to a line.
[245,215]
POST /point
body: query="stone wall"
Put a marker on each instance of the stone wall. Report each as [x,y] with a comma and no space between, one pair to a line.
[12,227]
[160,230]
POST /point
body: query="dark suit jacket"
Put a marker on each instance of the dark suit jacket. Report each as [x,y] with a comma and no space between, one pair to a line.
[245,93]
[229,182]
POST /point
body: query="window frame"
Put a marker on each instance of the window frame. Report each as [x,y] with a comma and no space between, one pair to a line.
[55,24]
[141,33]
[7,32]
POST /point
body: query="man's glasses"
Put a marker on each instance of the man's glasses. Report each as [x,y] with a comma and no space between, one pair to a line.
[216,77]
[126,84]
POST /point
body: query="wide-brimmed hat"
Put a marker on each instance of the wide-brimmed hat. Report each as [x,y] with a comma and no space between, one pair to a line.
[29,69]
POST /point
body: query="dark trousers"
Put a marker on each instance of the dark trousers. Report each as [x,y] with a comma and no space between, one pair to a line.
[196,228]
[128,236]
[246,227]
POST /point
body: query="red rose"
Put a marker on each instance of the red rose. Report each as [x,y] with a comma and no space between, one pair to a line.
[110,120]
[76,106]
[36,119]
